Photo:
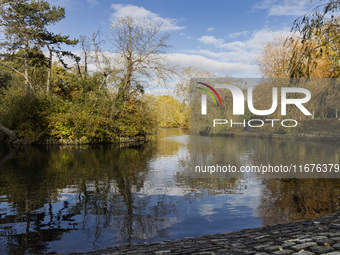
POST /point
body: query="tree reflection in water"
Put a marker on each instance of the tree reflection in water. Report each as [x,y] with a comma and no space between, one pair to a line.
[286,200]
[64,199]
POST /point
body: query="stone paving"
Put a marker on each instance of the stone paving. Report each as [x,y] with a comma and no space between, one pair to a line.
[317,236]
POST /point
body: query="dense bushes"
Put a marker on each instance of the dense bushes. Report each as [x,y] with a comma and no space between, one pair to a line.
[87,116]
[25,116]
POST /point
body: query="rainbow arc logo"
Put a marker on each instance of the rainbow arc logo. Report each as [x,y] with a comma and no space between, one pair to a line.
[209,93]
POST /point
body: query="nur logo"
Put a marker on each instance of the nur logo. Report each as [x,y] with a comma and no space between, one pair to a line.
[238,99]
[204,96]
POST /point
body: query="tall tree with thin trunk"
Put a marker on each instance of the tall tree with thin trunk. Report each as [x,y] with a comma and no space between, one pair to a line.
[86,49]
[53,42]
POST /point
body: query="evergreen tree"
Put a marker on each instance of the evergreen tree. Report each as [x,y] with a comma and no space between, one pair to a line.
[25,26]
[53,42]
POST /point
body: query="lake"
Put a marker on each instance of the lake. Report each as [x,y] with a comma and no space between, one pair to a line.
[83,198]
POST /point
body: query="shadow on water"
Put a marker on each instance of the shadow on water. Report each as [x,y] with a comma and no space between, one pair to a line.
[78,199]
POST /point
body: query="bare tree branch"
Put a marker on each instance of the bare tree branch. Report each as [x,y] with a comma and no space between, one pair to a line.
[141,47]
[13,69]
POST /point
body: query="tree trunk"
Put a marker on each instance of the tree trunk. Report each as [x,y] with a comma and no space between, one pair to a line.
[127,82]
[83,41]
[129,68]
[48,82]
[7,132]
[26,66]
[79,70]
[98,60]
[336,112]
[85,60]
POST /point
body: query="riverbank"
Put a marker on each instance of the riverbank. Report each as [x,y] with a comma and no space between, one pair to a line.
[314,136]
[51,141]
[316,236]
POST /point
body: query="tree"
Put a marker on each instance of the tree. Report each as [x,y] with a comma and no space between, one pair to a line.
[102,61]
[140,47]
[319,30]
[86,49]
[278,58]
[52,42]
[322,27]
[25,25]
[169,112]
[315,20]
[183,86]
[7,132]
[287,60]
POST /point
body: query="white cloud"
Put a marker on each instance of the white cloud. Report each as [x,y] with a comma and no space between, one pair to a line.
[141,13]
[220,67]
[237,57]
[240,56]
[238,34]
[209,39]
[285,7]
[289,8]
[256,42]
[210,29]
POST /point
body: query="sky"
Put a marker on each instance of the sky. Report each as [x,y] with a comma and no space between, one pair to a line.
[221,36]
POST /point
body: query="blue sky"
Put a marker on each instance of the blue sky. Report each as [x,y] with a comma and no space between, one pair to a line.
[220,36]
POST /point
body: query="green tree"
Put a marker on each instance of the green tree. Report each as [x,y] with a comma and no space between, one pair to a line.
[24,23]
[53,42]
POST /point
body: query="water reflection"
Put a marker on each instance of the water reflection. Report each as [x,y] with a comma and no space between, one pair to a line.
[296,199]
[80,199]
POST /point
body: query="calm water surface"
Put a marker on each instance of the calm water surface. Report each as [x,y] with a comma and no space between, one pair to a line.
[59,199]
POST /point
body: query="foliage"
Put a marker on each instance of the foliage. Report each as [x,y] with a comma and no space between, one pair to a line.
[24,25]
[280,59]
[316,19]
[319,39]
[25,116]
[169,112]
[314,57]
[86,117]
